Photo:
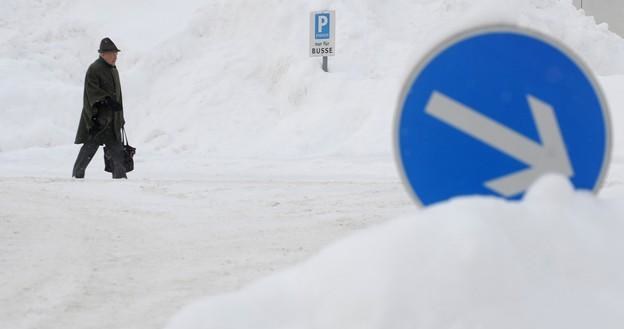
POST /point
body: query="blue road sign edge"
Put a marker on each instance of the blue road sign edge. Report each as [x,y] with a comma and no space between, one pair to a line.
[485,29]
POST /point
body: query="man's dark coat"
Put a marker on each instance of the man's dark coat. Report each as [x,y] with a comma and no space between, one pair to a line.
[101,81]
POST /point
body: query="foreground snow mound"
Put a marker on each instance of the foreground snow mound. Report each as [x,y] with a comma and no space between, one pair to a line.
[233,77]
[551,261]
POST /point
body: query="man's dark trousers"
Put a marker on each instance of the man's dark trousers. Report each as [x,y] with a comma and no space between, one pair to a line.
[104,136]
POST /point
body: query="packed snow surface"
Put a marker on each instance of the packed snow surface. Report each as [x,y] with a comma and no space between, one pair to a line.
[553,261]
[251,159]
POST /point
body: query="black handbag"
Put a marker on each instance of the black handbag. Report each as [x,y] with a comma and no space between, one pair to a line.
[129,152]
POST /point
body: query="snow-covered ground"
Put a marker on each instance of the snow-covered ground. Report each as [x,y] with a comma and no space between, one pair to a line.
[251,160]
[109,254]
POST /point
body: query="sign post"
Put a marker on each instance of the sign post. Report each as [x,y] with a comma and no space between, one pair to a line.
[491,110]
[323,35]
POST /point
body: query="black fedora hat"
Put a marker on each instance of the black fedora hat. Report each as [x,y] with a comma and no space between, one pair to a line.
[107,45]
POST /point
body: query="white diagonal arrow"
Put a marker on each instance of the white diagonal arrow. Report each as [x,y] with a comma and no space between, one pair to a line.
[549,157]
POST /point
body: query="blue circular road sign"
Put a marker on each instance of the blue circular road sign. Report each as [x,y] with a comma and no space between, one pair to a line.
[490,111]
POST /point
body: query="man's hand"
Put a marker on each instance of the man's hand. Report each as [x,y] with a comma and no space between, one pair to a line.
[109,103]
[114,105]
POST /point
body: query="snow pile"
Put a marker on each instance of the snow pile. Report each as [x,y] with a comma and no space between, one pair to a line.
[233,77]
[45,48]
[552,261]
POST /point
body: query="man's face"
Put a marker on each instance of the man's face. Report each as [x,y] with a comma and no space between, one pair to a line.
[110,57]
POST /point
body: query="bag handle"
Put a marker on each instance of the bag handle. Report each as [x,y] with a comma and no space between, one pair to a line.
[124,136]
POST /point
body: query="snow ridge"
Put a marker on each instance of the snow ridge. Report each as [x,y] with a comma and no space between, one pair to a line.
[233,78]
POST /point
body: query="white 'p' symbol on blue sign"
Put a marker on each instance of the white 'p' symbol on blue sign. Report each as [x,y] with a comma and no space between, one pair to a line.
[322,26]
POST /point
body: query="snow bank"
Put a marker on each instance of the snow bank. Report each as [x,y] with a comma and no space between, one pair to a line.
[233,77]
[551,261]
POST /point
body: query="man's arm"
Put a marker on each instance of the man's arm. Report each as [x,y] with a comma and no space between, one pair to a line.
[95,93]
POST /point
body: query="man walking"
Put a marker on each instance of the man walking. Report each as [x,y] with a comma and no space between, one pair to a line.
[102,113]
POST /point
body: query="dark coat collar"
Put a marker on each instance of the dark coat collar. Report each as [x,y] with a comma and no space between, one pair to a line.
[101,60]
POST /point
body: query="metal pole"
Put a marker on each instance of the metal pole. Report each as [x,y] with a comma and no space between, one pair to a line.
[325,64]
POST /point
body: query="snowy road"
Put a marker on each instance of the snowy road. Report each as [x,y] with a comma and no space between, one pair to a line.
[106,254]
[127,254]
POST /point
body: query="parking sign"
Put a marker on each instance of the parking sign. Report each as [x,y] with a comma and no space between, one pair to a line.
[322,33]
[322,26]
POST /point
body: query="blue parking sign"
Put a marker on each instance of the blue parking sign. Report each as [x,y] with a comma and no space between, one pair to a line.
[491,110]
[322,24]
